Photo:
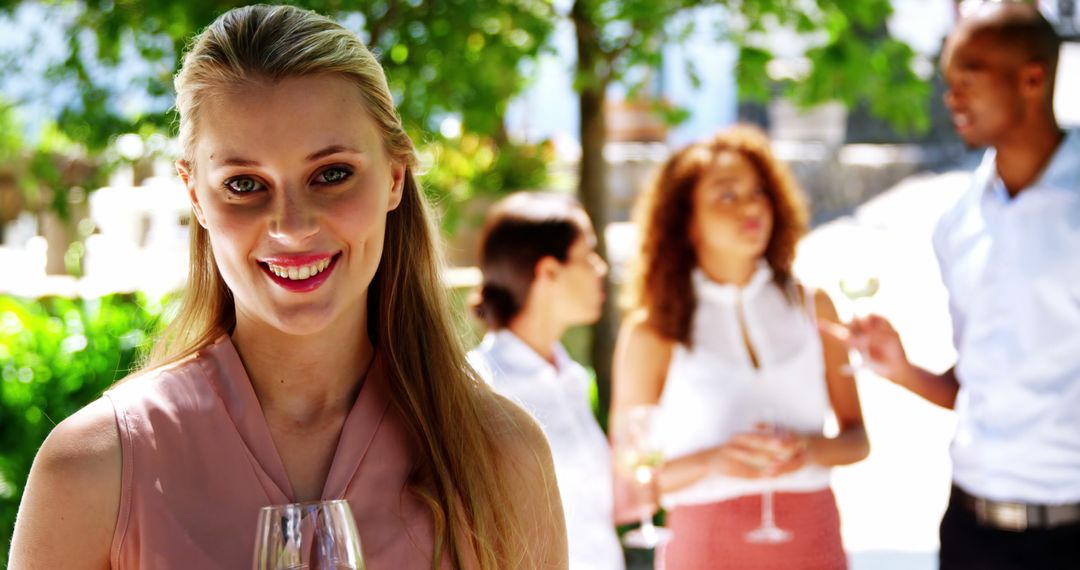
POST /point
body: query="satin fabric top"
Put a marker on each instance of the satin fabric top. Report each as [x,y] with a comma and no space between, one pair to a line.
[713,391]
[199,463]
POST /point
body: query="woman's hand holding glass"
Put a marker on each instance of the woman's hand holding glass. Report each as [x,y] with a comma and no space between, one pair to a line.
[762,453]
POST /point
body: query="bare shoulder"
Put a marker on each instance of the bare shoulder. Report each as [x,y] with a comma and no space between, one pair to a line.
[641,348]
[72,494]
[88,439]
[638,334]
[824,307]
[642,357]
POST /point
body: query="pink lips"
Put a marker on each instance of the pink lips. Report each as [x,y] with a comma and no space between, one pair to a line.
[299,285]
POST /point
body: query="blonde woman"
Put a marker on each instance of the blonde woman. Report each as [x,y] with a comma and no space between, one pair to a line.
[312,357]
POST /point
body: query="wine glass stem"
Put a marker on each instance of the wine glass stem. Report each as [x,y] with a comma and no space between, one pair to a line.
[648,529]
[767,508]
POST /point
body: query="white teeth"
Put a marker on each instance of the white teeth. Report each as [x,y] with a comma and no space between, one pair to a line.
[299,273]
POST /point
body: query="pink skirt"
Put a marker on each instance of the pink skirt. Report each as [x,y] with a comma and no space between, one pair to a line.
[710,536]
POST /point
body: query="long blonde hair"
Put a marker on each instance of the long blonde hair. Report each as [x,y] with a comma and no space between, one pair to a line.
[447,409]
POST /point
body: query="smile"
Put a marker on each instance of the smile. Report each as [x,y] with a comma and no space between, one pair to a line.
[300,274]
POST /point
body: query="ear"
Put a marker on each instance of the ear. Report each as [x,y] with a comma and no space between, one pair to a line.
[547,269]
[398,172]
[184,170]
[1033,79]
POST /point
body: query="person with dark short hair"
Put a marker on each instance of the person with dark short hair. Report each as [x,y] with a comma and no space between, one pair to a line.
[542,275]
[1009,253]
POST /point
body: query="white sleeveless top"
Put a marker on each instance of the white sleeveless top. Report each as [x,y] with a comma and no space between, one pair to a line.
[713,391]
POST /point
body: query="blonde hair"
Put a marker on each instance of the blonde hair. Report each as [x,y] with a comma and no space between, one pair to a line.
[447,409]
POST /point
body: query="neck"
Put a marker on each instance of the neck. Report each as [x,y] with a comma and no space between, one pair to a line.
[728,269]
[308,380]
[1021,159]
[538,329]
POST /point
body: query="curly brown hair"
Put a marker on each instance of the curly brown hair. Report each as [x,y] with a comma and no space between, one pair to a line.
[661,285]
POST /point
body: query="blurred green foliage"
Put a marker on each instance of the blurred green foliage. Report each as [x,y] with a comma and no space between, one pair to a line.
[57,355]
[463,59]
[441,56]
[476,166]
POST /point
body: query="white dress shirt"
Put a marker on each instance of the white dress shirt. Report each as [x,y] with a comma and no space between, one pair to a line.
[1012,269]
[558,397]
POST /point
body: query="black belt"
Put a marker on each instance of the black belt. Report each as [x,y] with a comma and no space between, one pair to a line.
[1016,517]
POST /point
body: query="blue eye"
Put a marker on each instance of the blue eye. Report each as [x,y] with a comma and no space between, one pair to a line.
[243,185]
[334,175]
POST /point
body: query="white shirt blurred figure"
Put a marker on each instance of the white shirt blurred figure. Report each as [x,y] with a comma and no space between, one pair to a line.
[542,276]
[1009,252]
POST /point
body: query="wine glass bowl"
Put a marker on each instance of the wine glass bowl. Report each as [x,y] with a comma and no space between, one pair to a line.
[859,287]
[316,535]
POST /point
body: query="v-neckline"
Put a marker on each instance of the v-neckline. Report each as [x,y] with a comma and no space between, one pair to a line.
[357,432]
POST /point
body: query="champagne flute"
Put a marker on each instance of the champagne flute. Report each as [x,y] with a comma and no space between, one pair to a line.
[317,535]
[767,532]
[639,457]
[858,288]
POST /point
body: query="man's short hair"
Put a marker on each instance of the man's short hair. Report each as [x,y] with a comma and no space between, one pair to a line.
[1017,25]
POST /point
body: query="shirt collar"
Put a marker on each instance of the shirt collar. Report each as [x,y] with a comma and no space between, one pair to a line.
[512,352]
[727,293]
[1062,173]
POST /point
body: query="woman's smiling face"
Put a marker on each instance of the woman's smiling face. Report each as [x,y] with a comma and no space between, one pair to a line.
[293,184]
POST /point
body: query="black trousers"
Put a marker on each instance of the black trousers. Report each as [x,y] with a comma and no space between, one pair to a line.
[966,545]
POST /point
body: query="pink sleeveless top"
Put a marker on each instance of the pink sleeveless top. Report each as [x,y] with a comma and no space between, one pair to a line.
[199,463]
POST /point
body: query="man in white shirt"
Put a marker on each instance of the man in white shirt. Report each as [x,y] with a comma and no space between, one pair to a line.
[1009,253]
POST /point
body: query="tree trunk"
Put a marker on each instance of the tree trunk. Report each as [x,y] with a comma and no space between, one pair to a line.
[592,184]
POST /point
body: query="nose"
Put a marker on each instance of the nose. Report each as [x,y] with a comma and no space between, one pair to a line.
[754,206]
[294,219]
[950,99]
[600,265]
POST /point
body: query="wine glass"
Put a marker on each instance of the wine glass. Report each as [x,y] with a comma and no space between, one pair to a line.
[317,535]
[767,532]
[638,457]
[858,288]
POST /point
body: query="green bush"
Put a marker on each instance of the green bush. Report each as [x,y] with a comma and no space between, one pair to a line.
[57,355]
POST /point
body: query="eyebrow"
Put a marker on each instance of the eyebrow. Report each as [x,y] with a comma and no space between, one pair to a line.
[330,150]
[322,153]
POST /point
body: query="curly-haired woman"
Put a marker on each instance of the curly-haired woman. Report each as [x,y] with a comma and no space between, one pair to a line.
[722,338]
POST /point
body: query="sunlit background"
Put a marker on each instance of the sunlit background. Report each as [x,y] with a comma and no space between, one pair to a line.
[94,223]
